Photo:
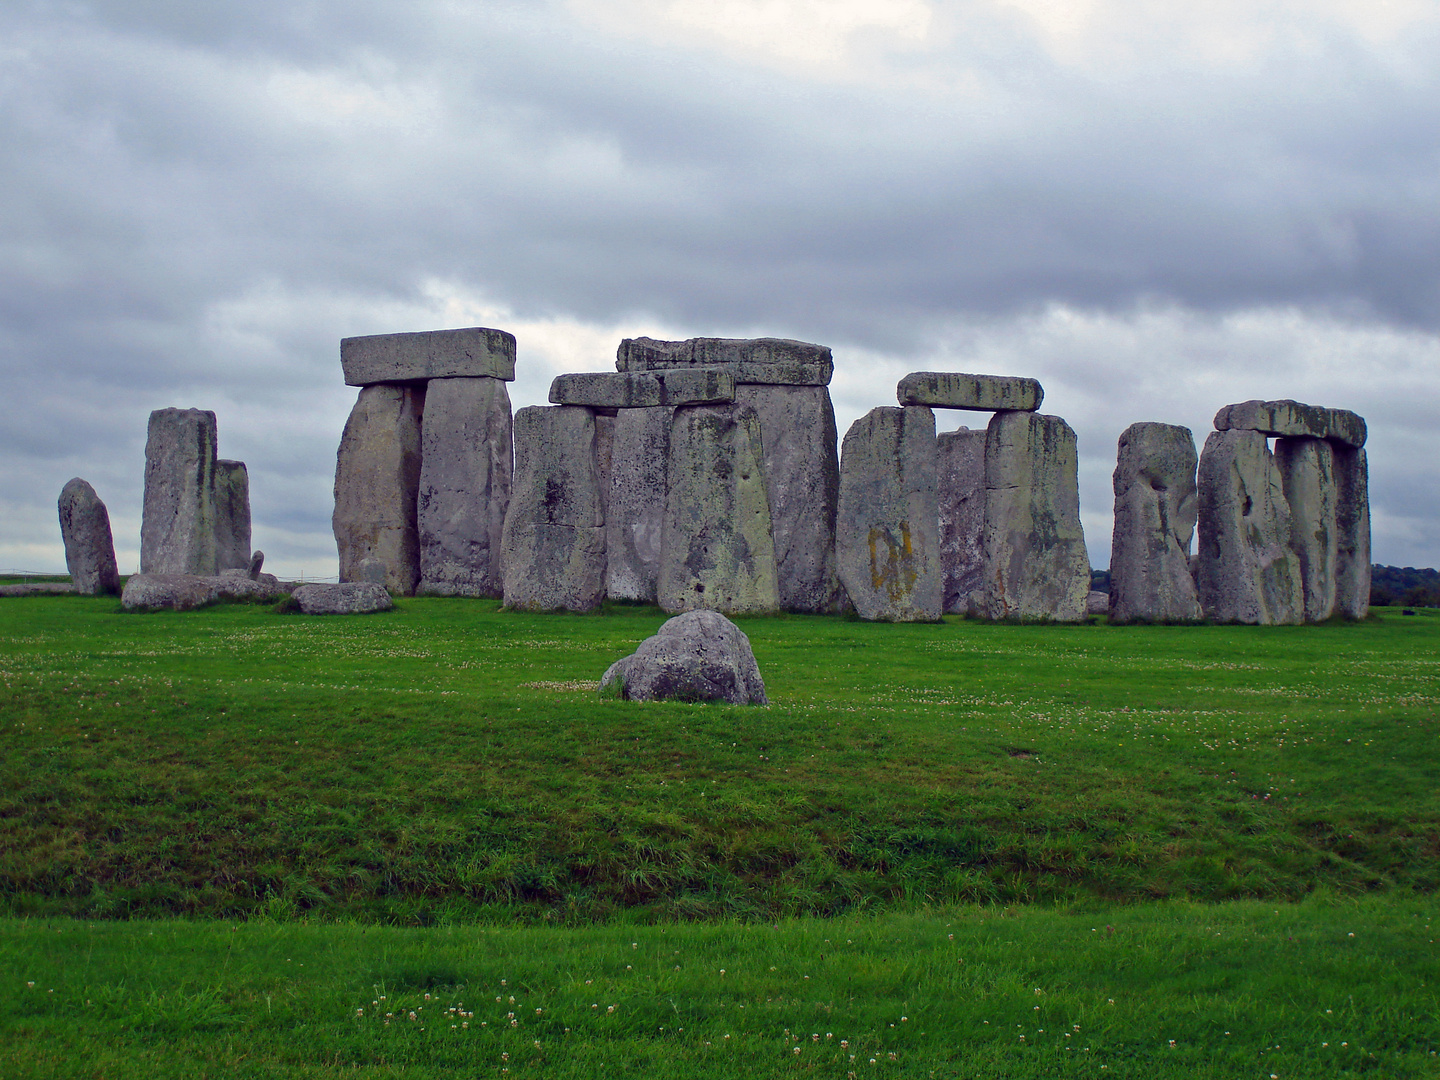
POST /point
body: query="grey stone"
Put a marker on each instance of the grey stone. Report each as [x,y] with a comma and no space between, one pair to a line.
[1307,476]
[242,585]
[377,484]
[1244,570]
[177,531]
[1156,504]
[37,588]
[1036,565]
[465,474]
[180,592]
[717,551]
[347,598]
[372,569]
[757,361]
[644,389]
[635,503]
[89,544]
[981,393]
[887,530]
[1097,603]
[802,479]
[1352,532]
[1277,418]
[471,353]
[960,457]
[232,515]
[257,560]
[697,656]
[553,542]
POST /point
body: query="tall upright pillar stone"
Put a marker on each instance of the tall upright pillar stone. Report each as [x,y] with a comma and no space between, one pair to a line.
[1307,476]
[635,506]
[1352,532]
[1156,506]
[177,531]
[960,457]
[232,515]
[89,544]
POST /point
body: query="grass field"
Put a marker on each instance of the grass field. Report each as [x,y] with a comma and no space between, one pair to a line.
[325,786]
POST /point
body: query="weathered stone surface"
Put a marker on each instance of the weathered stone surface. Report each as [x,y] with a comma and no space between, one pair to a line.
[1307,476]
[1156,504]
[377,484]
[242,585]
[178,591]
[177,532]
[232,515]
[981,393]
[1244,569]
[257,560]
[372,569]
[887,529]
[37,588]
[553,542]
[635,503]
[1036,565]
[1292,418]
[758,361]
[717,551]
[1352,533]
[644,389]
[471,353]
[347,598]
[697,656]
[960,457]
[89,544]
[1097,603]
[802,479]
[465,473]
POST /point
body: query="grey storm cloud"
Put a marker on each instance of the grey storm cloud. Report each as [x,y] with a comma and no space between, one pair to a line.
[198,201]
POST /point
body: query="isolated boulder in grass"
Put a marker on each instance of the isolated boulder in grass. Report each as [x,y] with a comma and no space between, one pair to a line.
[698,656]
[347,598]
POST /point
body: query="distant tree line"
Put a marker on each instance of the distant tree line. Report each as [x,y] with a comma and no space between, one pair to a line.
[1389,585]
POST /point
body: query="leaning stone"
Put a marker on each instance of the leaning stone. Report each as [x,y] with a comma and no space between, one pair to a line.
[1155,509]
[177,531]
[377,483]
[1245,571]
[472,353]
[1277,418]
[89,544]
[960,457]
[347,598]
[635,503]
[465,475]
[232,515]
[802,480]
[717,551]
[1307,476]
[180,592]
[1036,565]
[980,393]
[1352,533]
[752,361]
[644,389]
[697,656]
[887,528]
[257,560]
[553,541]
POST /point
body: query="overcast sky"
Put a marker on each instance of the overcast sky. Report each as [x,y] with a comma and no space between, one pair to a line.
[1156,209]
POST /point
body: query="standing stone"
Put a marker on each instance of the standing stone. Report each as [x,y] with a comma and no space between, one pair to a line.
[961,490]
[1245,570]
[1036,565]
[232,515]
[604,458]
[635,505]
[465,473]
[717,551]
[1352,532]
[1156,506]
[177,531]
[553,542]
[89,544]
[1307,476]
[887,532]
[802,474]
[377,482]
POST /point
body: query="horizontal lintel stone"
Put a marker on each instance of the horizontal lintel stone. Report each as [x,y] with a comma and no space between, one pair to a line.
[752,361]
[644,389]
[1279,418]
[474,352]
[978,393]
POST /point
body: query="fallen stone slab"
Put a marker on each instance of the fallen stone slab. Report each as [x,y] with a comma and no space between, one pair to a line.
[1287,417]
[979,393]
[752,361]
[697,656]
[1156,505]
[37,588]
[346,598]
[177,530]
[644,389]
[245,585]
[89,544]
[961,494]
[179,592]
[474,352]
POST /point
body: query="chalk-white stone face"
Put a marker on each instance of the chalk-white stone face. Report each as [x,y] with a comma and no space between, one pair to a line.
[1156,505]
[89,544]
[177,532]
